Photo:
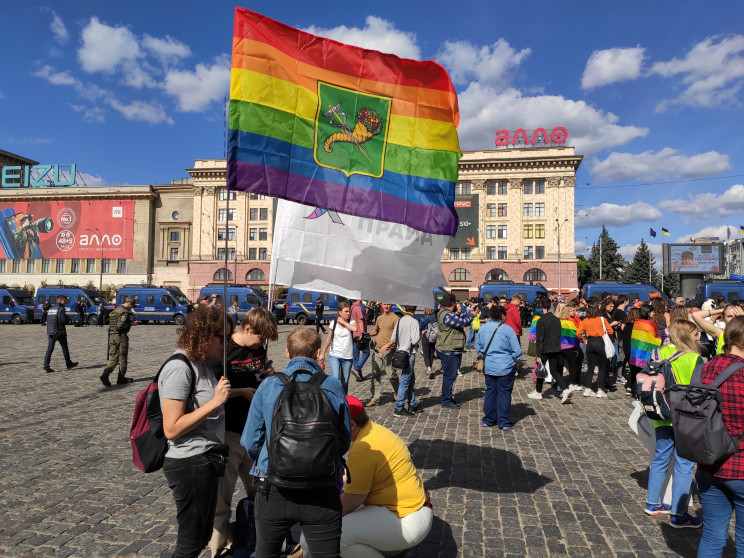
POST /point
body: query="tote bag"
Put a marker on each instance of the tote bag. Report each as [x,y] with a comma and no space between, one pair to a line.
[609,345]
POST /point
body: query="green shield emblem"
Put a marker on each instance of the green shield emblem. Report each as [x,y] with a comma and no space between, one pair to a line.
[351,130]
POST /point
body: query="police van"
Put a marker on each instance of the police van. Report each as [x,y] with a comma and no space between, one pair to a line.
[633,290]
[247,297]
[301,305]
[16,305]
[507,289]
[156,304]
[730,289]
[91,298]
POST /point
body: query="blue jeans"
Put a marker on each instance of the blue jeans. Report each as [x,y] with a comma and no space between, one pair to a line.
[360,357]
[497,400]
[450,365]
[405,388]
[340,369]
[657,472]
[472,336]
[719,498]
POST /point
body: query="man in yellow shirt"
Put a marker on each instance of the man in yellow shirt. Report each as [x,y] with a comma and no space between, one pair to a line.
[385,505]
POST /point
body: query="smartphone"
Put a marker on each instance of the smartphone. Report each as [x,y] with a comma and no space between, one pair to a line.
[268,364]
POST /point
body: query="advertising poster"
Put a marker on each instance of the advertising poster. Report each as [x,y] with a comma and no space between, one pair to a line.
[467,214]
[694,258]
[66,229]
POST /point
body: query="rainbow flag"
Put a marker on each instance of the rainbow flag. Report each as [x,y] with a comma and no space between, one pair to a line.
[341,128]
[533,330]
[643,340]
[569,339]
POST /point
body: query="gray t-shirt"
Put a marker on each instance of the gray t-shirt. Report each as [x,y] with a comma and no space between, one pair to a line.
[174,383]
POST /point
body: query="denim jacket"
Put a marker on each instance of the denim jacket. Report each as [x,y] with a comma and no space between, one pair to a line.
[257,431]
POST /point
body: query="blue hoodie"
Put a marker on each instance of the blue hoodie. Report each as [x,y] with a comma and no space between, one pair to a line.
[257,431]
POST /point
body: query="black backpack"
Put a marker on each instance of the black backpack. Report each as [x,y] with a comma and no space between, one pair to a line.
[700,434]
[304,450]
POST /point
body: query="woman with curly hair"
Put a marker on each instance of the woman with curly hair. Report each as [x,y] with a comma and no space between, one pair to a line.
[193,405]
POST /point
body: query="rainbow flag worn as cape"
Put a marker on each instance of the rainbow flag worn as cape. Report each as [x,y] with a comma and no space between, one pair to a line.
[533,330]
[569,339]
[643,340]
[341,128]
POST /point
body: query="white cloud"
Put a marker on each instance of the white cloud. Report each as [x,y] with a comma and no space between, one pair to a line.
[166,50]
[466,61]
[612,65]
[713,72]
[612,214]
[54,77]
[580,247]
[484,109]
[378,34]
[712,232]
[92,180]
[58,28]
[667,163]
[92,114]
[731,202]
[196,90]
[628,252]
[105,47]
[141,111]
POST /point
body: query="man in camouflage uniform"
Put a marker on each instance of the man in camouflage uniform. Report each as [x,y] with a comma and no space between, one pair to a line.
[120,321]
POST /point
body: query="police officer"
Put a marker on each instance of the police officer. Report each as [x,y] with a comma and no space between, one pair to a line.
[120,321]
[45,311]
[80,309]
[56,331]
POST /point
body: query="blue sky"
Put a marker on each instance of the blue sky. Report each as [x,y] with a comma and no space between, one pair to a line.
[651,92]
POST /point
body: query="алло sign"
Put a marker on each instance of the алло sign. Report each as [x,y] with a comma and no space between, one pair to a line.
[557,135]
[12,177]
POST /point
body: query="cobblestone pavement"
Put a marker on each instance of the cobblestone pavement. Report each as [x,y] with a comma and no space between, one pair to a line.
[567,481]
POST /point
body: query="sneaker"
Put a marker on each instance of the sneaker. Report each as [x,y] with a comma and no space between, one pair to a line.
[629,392]
[357,375]
[105,381]
[685,521]
[121,380]
[534,395]
[72,365]
[48,370]
[416,409]
[620,379]
[575,387]
[451,405]
[460,373]
[507,428]
[432,375]
[567,393]
[589,393]
[484,424]
[402,413]
[601,393]
[658,509]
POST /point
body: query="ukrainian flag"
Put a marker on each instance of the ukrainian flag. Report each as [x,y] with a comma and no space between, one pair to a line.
[664,232]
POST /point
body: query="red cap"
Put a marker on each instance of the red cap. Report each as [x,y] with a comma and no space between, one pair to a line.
[356,409]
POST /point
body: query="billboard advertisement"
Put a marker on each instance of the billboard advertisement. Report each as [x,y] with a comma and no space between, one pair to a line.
[467,213]
[692,258]
[66,229]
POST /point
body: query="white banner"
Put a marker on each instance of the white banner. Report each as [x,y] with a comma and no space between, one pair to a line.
[355,257]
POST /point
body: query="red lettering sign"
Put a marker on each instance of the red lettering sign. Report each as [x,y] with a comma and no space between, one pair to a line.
[539,137]
[463,203]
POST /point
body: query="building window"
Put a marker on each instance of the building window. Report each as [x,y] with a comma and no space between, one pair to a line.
[105,265]
[528,253]
[527,231]
[540,230]
[221,253]
[251,253]
[502,210]
[224,193]
[45,265]
[225,215]
[527,186]
[219,275]
[527,211]
[462,188]
[454,253]
[502,253]
[60,265]
[490,231]
[16,266]
[263,234]
[540,209]
[503,185]
[465,253]
[497,274]
[121,266]
[230,232]
[255,274]
[262,253]
[253,196]
[460,274]
[539,252]
[252,233]
[90,266]
[253,214]
[490,252]
[75,266]
[2,266]
[173,255]
[175,215]
[490,187]
[501,231]
[540,186]
[175,236]
[490,210]
[263,213]
[31,266]
[535,274]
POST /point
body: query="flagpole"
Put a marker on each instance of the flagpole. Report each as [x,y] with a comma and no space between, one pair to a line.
[227,235]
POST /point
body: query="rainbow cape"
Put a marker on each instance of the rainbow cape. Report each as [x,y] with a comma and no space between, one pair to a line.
[533,330]
[643,340]
[569,339]
[341,128]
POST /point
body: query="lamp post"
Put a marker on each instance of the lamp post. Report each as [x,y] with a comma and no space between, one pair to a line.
[236,254]
[100,243]
[558,226]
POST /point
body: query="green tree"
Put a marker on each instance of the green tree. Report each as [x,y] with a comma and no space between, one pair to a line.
[637,271]
[671,285]
[585,273]
[612,261]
